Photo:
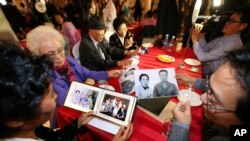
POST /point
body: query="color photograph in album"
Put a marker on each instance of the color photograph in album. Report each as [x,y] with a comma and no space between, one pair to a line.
[108,105]
[82,97]
[154,83]
[116,107]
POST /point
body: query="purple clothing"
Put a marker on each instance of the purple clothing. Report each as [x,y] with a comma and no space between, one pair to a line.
[213,53]
[61,85]
[69,30]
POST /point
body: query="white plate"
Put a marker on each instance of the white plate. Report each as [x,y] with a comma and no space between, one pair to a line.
[192,62]
[108,87]
[134,57]
[147,45]
[192,96]
[135,62]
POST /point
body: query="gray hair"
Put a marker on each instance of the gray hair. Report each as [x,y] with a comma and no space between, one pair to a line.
[41,34]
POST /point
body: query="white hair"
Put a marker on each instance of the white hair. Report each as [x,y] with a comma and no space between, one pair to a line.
[41,34]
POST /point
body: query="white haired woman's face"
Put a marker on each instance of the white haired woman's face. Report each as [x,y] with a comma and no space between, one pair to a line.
[55,50]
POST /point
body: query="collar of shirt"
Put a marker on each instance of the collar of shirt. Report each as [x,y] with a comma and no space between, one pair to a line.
[94,41]
[121,39]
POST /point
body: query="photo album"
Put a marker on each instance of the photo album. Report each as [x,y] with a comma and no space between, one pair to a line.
[111,109]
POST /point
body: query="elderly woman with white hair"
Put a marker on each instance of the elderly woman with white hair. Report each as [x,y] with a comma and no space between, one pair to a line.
[45,40]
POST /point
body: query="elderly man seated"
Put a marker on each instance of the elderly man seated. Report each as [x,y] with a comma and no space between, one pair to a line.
[94,50]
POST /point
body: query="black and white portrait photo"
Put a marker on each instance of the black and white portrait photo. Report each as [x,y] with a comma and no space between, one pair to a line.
[155,83]
[127,81]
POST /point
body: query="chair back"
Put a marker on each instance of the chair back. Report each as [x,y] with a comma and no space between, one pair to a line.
[75,51]
[149,31]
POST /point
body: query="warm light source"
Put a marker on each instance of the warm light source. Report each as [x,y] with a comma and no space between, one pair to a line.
[218,3]
[3,2]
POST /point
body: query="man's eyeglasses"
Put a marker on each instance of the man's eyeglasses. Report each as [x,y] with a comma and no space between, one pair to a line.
[52,54]
[233,21]
[212,104]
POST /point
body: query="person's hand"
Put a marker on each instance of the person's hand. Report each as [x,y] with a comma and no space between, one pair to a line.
[182,113]
[127,63]
[124,133]
[124,63]
[85,118]
[129,42]
[114,73]
[131,52]
[196,32]
[184,78]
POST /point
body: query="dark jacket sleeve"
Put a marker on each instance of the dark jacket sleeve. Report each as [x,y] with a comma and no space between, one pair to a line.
[68,133]
[117,50]
[90,58]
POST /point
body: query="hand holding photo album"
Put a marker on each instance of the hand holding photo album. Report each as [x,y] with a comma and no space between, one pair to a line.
[112,109]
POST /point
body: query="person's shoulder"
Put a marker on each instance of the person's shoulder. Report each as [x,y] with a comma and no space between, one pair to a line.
[158,84]
[170,83]
[138,87]
[86,41]
[68,23]
[113,36]
[71,60]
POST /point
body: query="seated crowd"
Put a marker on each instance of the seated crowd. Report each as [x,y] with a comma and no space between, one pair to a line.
[35,81]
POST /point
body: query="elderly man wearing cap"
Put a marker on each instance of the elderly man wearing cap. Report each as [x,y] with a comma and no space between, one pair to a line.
[94,50]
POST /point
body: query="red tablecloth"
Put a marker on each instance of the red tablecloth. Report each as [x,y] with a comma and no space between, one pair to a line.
[146,128]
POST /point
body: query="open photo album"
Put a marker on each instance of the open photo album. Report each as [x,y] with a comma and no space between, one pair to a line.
[111,109]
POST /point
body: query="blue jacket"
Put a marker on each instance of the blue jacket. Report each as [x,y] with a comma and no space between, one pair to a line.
[61,85]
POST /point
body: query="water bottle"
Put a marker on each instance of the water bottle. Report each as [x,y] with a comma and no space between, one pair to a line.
[165,42]
[171,44]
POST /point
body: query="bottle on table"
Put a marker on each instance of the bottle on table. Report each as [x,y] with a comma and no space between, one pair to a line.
[171,44]
[179,42]
[165,42]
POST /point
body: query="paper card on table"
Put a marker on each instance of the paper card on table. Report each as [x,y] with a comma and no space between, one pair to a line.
[113,107]
[127,81]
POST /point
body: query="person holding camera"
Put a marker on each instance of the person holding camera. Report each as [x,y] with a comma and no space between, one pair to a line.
[213,53]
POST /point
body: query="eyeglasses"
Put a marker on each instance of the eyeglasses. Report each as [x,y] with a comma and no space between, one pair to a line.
[211,104]
[52,54]
[233,21]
